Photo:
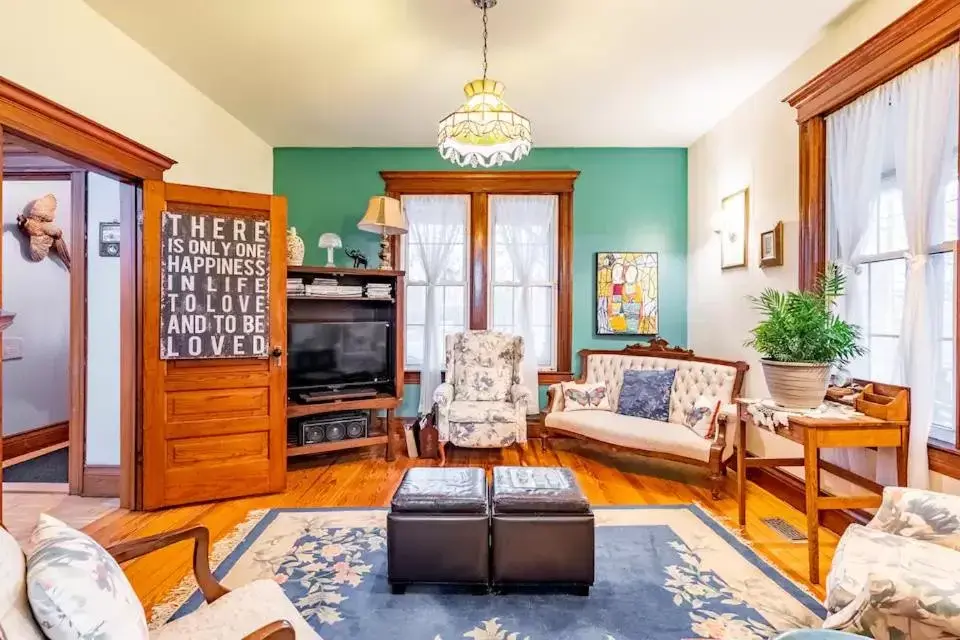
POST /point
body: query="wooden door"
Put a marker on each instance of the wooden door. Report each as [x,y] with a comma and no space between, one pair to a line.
[213,427]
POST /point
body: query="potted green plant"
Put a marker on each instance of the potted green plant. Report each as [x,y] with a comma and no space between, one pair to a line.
[801,339]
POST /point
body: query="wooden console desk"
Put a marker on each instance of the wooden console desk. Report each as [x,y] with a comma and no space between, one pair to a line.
[816,434]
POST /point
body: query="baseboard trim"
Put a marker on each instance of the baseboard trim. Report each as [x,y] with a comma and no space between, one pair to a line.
[20,444]
[790,489]
[101,481]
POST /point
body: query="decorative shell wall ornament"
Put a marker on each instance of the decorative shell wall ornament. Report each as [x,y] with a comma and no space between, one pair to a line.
[37,224]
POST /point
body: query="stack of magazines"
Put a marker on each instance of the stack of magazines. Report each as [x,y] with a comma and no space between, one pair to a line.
[379,290]
[295,287]
[322,287]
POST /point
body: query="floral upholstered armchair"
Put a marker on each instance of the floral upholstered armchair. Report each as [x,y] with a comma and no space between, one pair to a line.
[482,403]
[899,576]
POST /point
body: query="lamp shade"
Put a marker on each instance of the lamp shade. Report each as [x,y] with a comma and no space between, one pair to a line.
[330,241]
[384,216]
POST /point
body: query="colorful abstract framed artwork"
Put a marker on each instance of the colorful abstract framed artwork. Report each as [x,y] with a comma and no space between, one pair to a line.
[733,233]
[628,296]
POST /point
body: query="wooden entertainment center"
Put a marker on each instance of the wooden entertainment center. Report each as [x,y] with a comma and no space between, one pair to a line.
[348,309]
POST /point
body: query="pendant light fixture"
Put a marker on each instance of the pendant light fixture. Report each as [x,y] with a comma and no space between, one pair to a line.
[484,131]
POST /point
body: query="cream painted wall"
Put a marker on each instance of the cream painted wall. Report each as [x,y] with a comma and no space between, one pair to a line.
[757,146]
[65,51]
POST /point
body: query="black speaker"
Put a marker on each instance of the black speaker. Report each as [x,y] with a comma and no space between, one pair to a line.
[334,427]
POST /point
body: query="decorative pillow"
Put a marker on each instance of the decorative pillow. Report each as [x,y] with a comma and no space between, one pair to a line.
[646,394]
[702,417]
[16,621]
[590,395]
[77,590]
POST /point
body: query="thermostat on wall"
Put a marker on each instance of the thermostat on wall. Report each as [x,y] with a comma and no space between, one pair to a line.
[110,239]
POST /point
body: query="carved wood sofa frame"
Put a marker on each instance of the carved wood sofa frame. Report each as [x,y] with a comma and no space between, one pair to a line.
[659,348]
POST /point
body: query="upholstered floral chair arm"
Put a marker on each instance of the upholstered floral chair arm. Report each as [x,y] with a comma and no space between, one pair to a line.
[521,395]
[443,396]
[889,586]
[921,515]
[554,398]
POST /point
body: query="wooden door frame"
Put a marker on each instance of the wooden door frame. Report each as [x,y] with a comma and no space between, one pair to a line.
[88,144]
[77,371]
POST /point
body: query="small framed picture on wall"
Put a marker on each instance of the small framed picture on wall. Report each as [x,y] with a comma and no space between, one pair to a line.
[735,210]
[771,247]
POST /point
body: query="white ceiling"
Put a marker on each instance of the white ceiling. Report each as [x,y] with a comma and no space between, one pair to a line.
[383,72]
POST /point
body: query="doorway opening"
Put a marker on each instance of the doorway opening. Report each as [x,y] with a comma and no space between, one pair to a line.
[61,356]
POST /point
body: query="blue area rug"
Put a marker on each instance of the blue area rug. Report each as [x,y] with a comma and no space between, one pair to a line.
[663,573]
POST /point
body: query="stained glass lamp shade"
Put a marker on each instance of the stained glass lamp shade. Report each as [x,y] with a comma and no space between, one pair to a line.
[484,131]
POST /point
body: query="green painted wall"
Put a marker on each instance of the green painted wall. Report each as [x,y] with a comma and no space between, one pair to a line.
[625,199]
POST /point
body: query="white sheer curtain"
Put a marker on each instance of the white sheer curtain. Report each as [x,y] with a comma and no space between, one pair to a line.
[524,225]
[856,137]
[436,226]
[924,129]
[897,145]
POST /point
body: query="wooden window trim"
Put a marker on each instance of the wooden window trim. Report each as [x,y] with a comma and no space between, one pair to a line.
[927,28]
[479,185]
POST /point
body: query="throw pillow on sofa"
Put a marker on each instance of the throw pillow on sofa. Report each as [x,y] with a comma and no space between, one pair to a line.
[702,417]
[590,395]
[77,590]
[646,394]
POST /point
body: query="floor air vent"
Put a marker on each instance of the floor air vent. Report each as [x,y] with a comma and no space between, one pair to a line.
[785,529]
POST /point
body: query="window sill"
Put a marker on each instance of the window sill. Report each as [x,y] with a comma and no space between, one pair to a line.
[944,459]
[544,377]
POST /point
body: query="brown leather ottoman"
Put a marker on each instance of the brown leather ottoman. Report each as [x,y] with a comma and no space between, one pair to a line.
[438,528]
[542,529]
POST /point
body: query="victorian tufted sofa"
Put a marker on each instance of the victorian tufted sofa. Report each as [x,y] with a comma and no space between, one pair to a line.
[717,379]
[482,403]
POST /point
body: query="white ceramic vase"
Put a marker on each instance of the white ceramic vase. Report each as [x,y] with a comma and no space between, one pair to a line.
[799,385]
[295,248]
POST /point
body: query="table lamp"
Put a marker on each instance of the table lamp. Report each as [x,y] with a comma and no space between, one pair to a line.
[384,216]
[330,241]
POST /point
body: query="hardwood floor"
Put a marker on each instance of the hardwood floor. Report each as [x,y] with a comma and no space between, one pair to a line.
[365,479]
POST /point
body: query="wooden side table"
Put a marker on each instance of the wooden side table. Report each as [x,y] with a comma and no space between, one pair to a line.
[816,433]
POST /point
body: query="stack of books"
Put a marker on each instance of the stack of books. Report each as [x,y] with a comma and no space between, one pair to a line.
[322,287]
[379,290]
[350,291]
[295,287]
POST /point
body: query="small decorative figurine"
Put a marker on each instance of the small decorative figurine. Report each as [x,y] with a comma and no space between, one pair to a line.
[294,248]
[37,224]
[359,260]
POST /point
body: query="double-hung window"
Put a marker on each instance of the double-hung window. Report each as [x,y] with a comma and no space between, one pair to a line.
[523,257]
[435,251]
[882,275]
[495,249]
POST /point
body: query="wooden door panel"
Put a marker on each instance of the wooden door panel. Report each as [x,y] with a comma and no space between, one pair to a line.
[212,428]
[237,448]
[212,404]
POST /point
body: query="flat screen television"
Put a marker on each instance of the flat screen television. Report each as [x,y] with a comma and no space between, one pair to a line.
[338,355]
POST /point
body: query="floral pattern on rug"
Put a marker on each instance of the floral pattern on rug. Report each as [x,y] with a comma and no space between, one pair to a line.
[663,573]
[697,588]
[324,567]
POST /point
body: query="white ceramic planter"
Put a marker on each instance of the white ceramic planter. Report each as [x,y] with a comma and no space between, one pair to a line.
[799,385]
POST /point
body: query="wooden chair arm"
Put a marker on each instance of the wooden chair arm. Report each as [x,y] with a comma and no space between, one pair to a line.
[279,630]
[209,586]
